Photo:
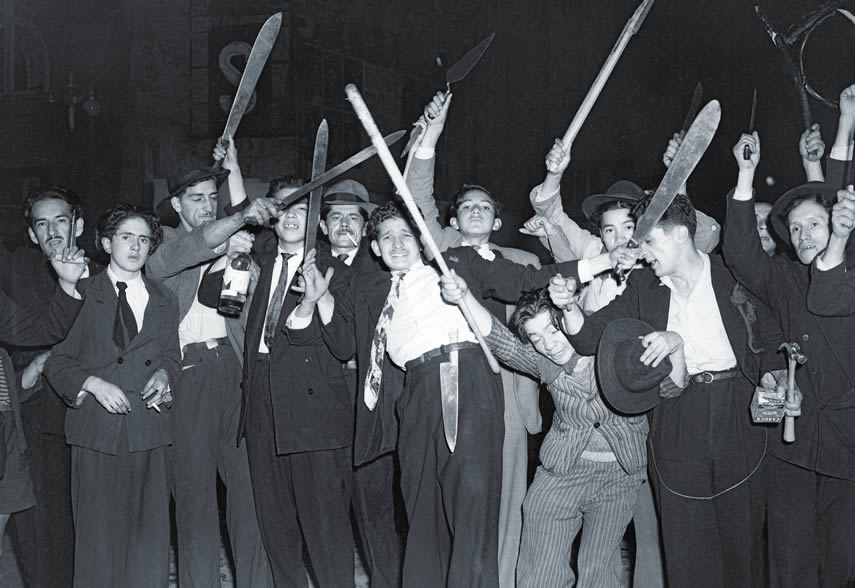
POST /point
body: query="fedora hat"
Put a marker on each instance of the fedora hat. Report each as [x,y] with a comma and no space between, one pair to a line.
[777,216]
[176,187]
[628,385]
[620,191]
[348,192]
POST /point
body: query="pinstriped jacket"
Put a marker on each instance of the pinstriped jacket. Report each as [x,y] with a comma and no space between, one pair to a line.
[579,408]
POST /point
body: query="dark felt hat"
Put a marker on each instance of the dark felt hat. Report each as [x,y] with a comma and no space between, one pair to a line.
[628,385]
[778,214]
[189,178]
[620,191]
[348,192]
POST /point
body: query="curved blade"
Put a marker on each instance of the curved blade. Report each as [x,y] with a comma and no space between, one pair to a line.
[336,171]
[693,107]
[257,58]
[464,65]
[319,164]
[698,138]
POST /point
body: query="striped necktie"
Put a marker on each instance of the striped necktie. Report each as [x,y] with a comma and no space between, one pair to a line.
[378,345]
[275,308]
[4,385]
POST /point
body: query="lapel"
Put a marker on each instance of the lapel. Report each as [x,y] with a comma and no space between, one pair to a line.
[734,322]
[654,300]
[153,315]
[258,306]
[101,291]
[374,293]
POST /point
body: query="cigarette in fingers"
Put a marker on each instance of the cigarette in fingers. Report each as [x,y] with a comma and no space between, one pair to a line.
[155,406]
[352,240]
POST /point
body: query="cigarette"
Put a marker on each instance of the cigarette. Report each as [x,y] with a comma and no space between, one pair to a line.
[352,240]
[155,406]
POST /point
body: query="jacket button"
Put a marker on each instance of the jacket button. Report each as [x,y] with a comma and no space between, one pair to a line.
[311,391]
[148,362]
[597,425]
[308,360]
[120,360]
[805,337]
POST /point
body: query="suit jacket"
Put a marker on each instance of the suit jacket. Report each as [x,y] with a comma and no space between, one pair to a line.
[359,302]
[312,406]
[89,350]
[20,325]
[178,263]
[29,280]
[825,437]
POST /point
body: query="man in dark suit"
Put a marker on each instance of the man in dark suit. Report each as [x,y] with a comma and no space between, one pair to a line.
[704,450]
[297,417]
[114,370]
[451,492]
[44,534]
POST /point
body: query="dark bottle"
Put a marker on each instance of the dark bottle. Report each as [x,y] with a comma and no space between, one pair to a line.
[235,285]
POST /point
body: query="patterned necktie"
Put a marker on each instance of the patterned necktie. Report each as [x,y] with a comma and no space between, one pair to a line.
[378,345]
[275,308]
[124,323]
[4,387]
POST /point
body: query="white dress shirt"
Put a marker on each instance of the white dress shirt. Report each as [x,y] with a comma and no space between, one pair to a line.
[201,323]
[422,319]
[293,264]
[697,319]
[136,293]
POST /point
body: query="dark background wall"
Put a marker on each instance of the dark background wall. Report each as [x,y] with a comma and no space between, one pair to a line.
[154,68]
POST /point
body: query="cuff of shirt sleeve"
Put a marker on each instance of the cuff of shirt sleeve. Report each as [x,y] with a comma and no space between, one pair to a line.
[540,196]
[81,396]
[844,154]
[425,153]
[296,322]
[584,271]
[739,195]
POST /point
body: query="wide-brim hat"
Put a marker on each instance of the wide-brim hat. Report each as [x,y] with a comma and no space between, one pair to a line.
[189,178]
[348,192]
[620,191]
[777,216]
[628,385]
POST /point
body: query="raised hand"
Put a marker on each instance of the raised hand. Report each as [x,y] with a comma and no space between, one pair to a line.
[624,258]
[659,345]
[316,284]
[752,141]
[847,101]
[558,158]
[811,145]
[240,242]
[562,292]
[260,211]
[69,265]
[843,214]
[538,226]
[672,148]
[453,288]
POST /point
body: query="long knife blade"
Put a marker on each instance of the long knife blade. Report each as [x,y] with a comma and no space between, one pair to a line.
[693,108]
[449,398]
[319,164]
[698,139]
[336,171]
[753,112]
[257,58]
[464,65]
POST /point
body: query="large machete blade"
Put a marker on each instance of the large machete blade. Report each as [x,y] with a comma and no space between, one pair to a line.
[319,164]
[257,58]
[698,138]
[336,171]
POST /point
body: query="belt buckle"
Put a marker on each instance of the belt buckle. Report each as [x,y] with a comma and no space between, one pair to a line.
[705,378]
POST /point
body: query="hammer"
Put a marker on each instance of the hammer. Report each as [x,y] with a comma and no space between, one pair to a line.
[794,357]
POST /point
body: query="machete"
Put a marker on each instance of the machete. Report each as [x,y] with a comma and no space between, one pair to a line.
[693,109]
[257,58]
[336,171]
[455,73]
[319,163]
[746,151]
[698,139]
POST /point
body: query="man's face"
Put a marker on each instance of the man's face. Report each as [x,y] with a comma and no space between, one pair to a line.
[290,227]
[661,249]
[476,215]
[130,246]
[344,225]
[396,244]
[761,213]
[808,225]
[547,340]
[616,227]
[198,205]
[51,225]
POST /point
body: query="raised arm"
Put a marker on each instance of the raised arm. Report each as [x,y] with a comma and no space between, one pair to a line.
[812,148]
[840,167]
[832,287]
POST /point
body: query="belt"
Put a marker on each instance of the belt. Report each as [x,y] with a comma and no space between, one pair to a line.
[439,352]
[203,345]
[710,377]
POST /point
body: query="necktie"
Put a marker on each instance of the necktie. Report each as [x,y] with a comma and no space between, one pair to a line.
[342,257]
[378,345]
[124,323]
[275,308]
[4,387]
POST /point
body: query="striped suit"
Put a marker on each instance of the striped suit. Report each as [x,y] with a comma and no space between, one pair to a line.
[569,490]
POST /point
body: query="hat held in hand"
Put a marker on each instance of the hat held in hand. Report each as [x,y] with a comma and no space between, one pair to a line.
[629,386]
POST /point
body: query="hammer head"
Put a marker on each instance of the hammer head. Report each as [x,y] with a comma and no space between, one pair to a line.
[794,352]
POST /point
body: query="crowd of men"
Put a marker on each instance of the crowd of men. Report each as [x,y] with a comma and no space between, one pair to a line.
[350,407]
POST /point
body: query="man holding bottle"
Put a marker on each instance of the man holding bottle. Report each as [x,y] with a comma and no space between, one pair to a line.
[191,262]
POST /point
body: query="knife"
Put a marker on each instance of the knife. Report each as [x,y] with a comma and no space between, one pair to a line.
[254,65]
[455,73]
[319,163]
[746,151]
[693,109]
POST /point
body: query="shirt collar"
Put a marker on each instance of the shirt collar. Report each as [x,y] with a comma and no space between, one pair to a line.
[704,278]
[133,283]
[296,256]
